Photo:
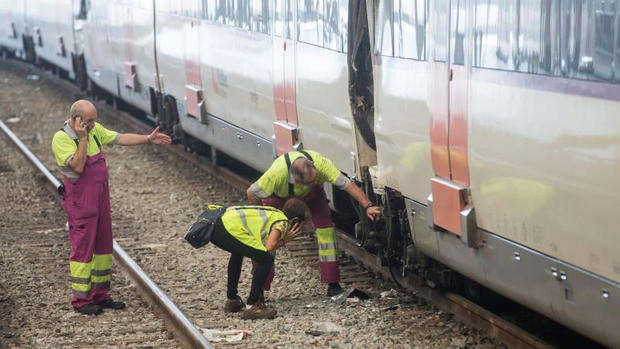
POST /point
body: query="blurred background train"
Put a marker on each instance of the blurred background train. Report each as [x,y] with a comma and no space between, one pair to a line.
[489,130]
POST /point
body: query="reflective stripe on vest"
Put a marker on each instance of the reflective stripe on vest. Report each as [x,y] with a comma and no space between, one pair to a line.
[251,225]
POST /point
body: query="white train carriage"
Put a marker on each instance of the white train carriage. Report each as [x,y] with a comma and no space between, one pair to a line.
[12,26]
[489,124]
[498,123]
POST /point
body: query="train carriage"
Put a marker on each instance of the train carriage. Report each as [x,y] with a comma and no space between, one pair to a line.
[13,26]
[486,128]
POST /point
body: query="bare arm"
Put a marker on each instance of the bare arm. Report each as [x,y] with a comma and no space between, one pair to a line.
[373,212]
[132,139]
[79,158]
[155,137]
[253,199]
[274,242]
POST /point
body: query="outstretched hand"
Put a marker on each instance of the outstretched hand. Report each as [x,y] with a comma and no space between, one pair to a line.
[157,137]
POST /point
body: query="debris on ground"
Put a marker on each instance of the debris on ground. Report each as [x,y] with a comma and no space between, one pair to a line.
[321,328]
[228,336]
[13,120]
[33,77]
[350,293]
[390,293]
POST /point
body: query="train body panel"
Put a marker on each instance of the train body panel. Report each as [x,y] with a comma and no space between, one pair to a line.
[134,38]
[13,24]
[323,105]
[401,126]
[51,26]
[103,60]
[561,198]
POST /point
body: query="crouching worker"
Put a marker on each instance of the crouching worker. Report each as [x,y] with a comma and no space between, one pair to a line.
[255,232]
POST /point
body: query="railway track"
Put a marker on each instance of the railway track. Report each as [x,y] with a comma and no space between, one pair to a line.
[154,252]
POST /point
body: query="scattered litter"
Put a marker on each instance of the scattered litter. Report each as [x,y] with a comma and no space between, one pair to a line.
[353,300]
[13,120]
[309,306]
[33,77]
[394,307]
[321,328]
[350,293]
[390,293]
[153,246]
[226,336]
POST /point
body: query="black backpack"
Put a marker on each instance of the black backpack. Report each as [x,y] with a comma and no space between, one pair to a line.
[200,232]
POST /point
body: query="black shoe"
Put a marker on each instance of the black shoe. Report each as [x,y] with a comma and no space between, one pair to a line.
[110,304]
[89,309]
[334,289]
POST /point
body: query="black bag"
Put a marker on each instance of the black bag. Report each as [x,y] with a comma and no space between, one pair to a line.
[199,233]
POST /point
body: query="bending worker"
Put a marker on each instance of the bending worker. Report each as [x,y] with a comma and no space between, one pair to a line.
[255,232]
[77,148]
[302,174]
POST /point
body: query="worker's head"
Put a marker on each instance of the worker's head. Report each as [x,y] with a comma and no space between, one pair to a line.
[303,171]
[85,111]
[296,210]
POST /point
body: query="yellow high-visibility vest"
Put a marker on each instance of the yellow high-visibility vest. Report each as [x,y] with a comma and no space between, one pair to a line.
[251,224]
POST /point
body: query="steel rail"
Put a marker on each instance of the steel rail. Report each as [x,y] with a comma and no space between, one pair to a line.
[190,336]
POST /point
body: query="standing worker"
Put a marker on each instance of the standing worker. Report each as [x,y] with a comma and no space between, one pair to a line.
[77,148]
[302,174]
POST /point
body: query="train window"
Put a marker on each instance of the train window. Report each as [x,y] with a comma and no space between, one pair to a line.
[209,9]
[261,21]
[331,28]
[243,14]
[412,27]
[384,24]
[440,30]
[310,21]
[344,24]
[82,10]
[220,11]
[289,19]
[575,39]
[457,39]
[192,8]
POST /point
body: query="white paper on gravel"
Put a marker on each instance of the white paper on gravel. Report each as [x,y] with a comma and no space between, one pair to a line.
[226,336]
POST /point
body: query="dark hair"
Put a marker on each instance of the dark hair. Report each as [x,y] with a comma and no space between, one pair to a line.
[296,209]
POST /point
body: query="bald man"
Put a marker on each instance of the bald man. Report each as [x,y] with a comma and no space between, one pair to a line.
[78,150]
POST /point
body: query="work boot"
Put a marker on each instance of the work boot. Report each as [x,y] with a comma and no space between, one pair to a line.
[234,305]
[334,289]
[258,310]
[89,309]
[110,304]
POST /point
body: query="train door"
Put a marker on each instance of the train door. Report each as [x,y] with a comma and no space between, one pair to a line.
[284,84]
[194,99]
[450,199]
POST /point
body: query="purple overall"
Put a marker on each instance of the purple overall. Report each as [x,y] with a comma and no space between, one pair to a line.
[87,204]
